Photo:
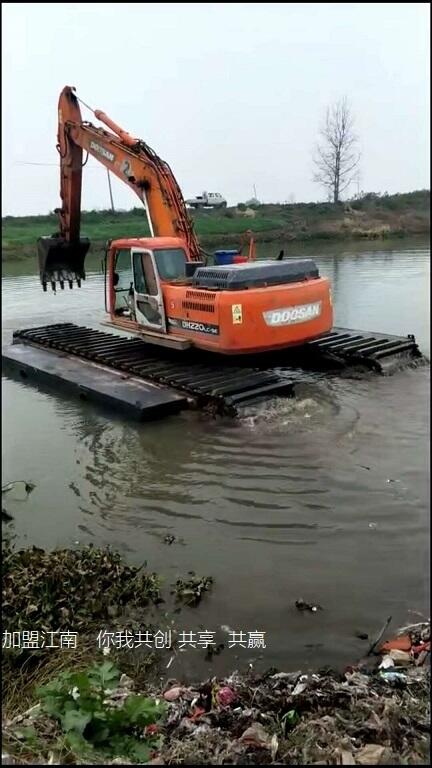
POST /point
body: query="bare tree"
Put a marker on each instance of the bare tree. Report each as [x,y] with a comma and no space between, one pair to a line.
[336,157]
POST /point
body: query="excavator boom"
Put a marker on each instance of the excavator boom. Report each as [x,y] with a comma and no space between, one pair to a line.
[61,256]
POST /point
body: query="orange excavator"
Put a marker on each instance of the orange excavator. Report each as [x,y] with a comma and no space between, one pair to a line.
[160,287]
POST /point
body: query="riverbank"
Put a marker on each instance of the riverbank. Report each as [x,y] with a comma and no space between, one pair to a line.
[90,703]
[372,217]
[322,719]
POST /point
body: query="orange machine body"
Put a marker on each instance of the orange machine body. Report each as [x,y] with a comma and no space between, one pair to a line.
[245,321]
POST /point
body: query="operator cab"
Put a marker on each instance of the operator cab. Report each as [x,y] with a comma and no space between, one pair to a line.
[137,270]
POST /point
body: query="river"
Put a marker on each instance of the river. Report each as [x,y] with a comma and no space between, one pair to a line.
[324,498]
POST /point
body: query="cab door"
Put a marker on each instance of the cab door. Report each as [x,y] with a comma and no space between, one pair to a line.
[148,297]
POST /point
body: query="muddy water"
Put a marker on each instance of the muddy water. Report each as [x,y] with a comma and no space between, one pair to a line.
[323,498]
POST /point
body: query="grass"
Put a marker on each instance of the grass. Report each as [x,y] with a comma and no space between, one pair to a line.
[371,216]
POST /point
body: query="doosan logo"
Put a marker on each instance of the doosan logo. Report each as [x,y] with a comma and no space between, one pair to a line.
[102,151]
[290,315]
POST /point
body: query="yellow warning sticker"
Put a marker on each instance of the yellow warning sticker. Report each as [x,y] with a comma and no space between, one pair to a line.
[237,314]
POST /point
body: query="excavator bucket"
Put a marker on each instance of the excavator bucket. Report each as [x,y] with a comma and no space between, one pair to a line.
[61,261]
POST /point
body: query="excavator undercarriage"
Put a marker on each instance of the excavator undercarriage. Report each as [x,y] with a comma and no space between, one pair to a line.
[224,385]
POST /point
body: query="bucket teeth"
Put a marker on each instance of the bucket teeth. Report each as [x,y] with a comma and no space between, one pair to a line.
[61,261]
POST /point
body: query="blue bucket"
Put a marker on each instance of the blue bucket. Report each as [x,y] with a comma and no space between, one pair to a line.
[224,257]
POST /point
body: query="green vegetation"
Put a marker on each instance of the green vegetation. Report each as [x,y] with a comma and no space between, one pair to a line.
[91,722]
[72,595]
[370,216]
[55,589]
[190,591]
[83,590]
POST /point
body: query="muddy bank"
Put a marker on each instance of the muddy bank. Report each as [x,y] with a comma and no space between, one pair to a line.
[376,713]
[81,705]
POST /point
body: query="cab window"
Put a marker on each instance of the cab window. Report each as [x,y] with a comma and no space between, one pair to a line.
[122,278]
[170,263]
[139,277]
[123,269]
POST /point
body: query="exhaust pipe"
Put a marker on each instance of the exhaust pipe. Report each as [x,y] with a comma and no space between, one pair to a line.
[61,261]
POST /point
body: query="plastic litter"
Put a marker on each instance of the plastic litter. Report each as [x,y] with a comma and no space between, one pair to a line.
[415,649]
[401,643]
[173,693]
[400,658]
[197,713]
[393,677]
[225,696]
[300,687]
[387,662]
[256,736]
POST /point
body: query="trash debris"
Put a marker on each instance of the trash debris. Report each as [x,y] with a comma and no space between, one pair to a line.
[225,696]
[387,662]
[371,714]
[372,754]
[401,643]
[291,676]
[301,605]
[301,686]
[393,677]
[256,736]
[362,635]
[169,539]
[173,693]
[367,719]
[400,658]
[197,713]
[415,649]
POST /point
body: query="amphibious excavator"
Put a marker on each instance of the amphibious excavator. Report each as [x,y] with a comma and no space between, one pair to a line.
[198,329]
[159,287]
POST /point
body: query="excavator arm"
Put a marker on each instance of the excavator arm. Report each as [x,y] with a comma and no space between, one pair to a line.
[61,256]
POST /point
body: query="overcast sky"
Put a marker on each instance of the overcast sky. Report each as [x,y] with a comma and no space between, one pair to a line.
[231,95]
